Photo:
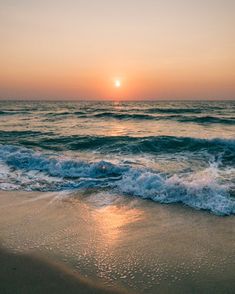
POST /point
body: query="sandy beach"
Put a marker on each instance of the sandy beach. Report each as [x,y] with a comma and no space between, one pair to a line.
[117,147]
[67,243]
[21,273]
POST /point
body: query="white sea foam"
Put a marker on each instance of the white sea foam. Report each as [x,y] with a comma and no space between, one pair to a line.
[201,190]
[24,169]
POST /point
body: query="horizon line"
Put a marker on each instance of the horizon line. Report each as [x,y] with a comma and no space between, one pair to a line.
[111,100]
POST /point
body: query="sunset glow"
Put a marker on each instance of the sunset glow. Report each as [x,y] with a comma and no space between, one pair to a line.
[71,50]
[117,83]
[117,146]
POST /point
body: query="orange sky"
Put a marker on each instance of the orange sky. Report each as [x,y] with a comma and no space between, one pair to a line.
[159,49]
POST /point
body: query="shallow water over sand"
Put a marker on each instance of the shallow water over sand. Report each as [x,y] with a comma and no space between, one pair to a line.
[123,241]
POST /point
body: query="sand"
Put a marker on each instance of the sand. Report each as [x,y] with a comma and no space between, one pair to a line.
[96,243]
[21,273]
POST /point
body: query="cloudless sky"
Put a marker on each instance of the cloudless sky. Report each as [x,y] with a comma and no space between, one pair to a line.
[158,49]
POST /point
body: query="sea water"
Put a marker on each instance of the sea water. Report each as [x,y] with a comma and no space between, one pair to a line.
[167,152]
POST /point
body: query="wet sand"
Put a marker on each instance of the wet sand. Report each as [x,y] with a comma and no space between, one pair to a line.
[22,273]
[95,243]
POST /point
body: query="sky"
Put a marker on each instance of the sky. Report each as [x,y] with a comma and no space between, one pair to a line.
[79,49]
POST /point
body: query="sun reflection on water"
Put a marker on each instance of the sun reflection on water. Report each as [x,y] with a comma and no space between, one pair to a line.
[112,220]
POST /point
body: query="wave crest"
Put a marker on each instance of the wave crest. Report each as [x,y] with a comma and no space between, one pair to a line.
[24,169]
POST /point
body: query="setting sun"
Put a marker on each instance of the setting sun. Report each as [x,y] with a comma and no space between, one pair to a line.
[117,83]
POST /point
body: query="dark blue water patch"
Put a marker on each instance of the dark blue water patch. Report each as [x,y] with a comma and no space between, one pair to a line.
[117,144]
[207,120]
[52,114]
[31,138]
[223,148]
[12,112]
[175,110]
[178,118]
[9,134]
[134,144]
[65,113]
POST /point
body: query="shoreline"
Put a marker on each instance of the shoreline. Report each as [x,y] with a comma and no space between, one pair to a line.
[126,243]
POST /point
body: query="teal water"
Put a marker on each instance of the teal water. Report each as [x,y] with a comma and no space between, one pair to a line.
[168,152]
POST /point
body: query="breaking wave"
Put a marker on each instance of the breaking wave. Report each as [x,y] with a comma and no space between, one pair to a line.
[25,169]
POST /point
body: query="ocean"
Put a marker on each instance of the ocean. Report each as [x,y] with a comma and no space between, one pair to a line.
[166,152]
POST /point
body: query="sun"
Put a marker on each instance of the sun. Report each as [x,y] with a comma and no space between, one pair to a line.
[117,83]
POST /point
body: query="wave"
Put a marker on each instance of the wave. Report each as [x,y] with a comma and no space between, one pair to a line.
[6,112]
[25,169]
[175,110]
[208,119]
[197,115]
[133,116]
[120,144]
[65,113]
[200,190]
[179,118]
[124,115]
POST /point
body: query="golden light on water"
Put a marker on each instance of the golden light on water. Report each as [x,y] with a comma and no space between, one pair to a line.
[112,220]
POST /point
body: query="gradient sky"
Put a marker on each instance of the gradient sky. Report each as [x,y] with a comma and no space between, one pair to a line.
[159,49]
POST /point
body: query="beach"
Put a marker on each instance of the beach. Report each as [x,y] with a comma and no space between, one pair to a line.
[57,241]
[133,197]
[117,147]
